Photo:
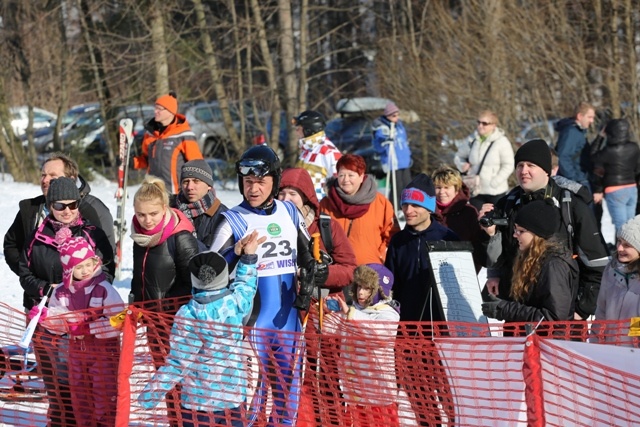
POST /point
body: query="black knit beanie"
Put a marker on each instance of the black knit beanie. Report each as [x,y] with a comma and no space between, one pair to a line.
[540,217]
[62,188]
[537,152]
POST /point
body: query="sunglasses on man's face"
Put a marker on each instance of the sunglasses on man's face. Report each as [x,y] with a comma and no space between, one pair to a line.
[480,122]
[57,206]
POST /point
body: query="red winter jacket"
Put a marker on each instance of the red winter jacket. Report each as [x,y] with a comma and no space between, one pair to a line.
[344,259]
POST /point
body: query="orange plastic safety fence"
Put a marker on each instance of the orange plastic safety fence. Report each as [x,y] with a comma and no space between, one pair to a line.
[164,370]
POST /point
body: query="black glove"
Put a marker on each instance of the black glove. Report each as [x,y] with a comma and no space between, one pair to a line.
[320,274]
[303,299]
[493,307]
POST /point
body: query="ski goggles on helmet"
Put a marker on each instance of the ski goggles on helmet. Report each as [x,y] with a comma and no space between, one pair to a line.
[252,167]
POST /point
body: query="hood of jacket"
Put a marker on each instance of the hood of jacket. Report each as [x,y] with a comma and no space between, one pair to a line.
[300,179]
[178,125]
[84,188]
[566,122]
[618,132]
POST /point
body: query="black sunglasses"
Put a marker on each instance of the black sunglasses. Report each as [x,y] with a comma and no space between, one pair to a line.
[252,167]
[484,123]
[57,206]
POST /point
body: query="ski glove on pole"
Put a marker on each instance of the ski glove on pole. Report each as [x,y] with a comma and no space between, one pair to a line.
[35,310]
[312,277]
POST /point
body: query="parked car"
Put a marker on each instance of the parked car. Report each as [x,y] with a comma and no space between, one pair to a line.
[20,118]
[206,122]
[544,129]
[352,131]
[76,111]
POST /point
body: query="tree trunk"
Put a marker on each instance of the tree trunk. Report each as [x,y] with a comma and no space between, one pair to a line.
[288,65]
[272,85]
[216,77]
[100,81]
[160,49]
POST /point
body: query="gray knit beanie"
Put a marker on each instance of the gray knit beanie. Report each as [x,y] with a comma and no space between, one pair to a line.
[62,188]
[197,169]
[209,271]
[630,232]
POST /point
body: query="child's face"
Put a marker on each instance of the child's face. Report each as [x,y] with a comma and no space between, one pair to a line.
[363,295]
[85,269]
[626,252]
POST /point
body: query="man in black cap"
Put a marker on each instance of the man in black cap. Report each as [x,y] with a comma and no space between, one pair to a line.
[578,227]
[197,200]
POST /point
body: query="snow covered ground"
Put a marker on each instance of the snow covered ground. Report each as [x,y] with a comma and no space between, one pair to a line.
[102,188]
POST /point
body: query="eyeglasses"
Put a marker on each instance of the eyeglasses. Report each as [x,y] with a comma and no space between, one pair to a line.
[519,231]
[57,206]
[480,122]
[252,167]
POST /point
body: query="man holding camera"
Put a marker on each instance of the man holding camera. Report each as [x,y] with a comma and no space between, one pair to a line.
[578,227]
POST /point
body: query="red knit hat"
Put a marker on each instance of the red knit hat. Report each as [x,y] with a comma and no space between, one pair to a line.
[169,102]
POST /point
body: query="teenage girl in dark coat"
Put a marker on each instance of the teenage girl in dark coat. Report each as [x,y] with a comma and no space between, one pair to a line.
[545,276]
[163,245]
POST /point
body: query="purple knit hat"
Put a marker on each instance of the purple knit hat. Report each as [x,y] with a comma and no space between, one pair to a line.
[385,280]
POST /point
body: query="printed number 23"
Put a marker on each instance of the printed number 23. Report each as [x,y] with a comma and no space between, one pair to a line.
[270,247]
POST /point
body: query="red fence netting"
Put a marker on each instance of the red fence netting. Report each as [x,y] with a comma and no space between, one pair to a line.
[350,373]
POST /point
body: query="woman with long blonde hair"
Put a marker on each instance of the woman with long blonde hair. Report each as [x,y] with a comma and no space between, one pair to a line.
[545,276]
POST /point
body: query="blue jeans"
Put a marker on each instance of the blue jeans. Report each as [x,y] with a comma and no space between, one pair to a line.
[218,418]
[622,205]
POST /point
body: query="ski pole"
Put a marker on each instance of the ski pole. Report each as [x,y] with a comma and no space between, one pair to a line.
[25,341]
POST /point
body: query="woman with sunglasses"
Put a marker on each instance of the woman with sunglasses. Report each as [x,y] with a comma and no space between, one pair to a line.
[486,161]
[41,269]
[545,275]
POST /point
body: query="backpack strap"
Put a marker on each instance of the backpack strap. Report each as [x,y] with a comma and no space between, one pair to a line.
[325,232]
[565,211]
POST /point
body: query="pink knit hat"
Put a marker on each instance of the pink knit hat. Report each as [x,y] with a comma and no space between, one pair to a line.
[72,252]
[390,109]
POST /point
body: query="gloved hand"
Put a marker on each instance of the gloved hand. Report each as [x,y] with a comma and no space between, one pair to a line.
[320,274]
[493,307]
[305,292]
[35,310]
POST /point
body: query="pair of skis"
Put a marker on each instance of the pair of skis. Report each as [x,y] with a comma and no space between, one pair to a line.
[120,223]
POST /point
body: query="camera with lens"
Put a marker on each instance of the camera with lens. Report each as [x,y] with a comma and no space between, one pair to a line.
[489,219]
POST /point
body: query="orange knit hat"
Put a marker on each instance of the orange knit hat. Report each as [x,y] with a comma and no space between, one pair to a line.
[169,102]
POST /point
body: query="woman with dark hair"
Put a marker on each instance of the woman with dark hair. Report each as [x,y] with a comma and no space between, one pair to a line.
[40,270]
[545,275]
[365,215]
[617,168]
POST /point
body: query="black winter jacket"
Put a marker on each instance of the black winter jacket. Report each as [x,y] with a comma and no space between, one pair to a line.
[553,295]
[618,163]
[40,266]
[408,260]
[162,271]
[207,223]
[587,243]
[30,215]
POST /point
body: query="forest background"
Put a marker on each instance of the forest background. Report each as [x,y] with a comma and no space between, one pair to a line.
[444,60]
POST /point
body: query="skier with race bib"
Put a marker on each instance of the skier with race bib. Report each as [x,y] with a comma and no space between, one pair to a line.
[277,300]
